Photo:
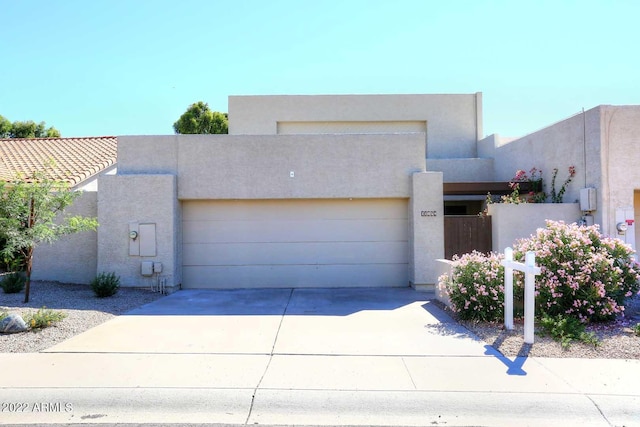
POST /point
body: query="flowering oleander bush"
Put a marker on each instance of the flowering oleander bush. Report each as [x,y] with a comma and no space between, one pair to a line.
[583,274]
[475,287]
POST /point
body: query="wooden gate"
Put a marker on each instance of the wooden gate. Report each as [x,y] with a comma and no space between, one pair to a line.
[464,233]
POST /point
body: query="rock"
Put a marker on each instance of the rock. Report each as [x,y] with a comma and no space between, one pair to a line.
[12,324]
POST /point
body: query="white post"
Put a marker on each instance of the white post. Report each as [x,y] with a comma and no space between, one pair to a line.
[508,290]
[529,298]
[530,272]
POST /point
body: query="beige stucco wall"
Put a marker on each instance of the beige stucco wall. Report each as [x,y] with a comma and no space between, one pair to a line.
[463,170]
[72,258]
[260,166]
[510,222]
[602,145]
[151,199]
[248,167]
[426,227]
[558,146]
[454,122]
[342,127]
[620,159]
[636,225]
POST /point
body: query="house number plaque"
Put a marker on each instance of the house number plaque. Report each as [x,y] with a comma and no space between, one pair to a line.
[427,213]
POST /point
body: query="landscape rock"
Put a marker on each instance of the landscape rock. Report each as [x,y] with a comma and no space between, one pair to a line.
[12,324]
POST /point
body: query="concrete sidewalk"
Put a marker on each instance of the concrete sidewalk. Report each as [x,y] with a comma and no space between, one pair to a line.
[307,357]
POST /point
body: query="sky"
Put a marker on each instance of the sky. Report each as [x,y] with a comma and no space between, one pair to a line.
[132,67]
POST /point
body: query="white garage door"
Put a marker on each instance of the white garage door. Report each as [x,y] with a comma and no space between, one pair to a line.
[295,243]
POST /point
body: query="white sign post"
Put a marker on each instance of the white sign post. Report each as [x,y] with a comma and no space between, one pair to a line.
[530,272]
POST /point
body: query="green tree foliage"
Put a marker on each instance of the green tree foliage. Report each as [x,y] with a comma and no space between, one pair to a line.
[5,127]
[200,119]
[32,212]
[27,129]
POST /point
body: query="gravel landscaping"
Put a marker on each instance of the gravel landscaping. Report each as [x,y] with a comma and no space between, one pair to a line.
[84,311]
[617,339]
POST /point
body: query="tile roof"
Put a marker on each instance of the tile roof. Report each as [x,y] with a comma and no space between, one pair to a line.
[74,159]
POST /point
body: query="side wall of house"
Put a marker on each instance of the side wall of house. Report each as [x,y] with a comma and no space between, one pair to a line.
[73,258]
[453,122]
[566,143]
[620,156]
[571,142]
[602,144]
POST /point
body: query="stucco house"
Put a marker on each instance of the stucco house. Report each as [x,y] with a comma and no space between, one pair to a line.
[78,162]
[335,191]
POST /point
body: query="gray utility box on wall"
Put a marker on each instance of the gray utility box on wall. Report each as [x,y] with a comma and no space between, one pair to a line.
[588,199]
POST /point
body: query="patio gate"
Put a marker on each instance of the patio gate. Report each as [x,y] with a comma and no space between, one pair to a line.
[464,233]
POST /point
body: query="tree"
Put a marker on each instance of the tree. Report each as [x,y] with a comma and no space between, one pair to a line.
[200,119]
[27,129]
[29,216]
[5,127]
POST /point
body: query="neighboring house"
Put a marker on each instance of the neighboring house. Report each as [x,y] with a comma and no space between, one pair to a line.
[79,162]
[345,190]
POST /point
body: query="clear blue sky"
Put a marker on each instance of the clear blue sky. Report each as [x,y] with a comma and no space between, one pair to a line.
[118,67]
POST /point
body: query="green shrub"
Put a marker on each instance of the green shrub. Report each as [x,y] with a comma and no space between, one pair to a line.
[476,288]
[3,314]
[566,329]
[12,283]
[43,318]
[583,273]
[105,284]
[636,329]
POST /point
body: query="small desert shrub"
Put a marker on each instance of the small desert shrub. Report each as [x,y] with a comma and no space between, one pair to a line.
[475,288]
[12,283]
[566,329]
[636,329]
[105,284]
[584,274]
[43,318]
[3,314]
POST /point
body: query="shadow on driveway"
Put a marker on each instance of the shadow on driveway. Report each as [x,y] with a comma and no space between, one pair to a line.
[277,302]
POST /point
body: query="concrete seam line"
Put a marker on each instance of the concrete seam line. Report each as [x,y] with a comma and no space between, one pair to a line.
[409,373]
[555,374]
[275,340]
[599,410]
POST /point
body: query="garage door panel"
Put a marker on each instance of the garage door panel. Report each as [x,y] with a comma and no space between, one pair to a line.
[300,253]
[294,231]
[291,243]
[286,276]
[288,210]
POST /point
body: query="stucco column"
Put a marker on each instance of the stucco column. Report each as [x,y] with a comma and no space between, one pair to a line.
[426,222]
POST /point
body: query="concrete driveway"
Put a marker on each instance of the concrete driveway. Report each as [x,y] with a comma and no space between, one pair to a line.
[362,321]
[311,357]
